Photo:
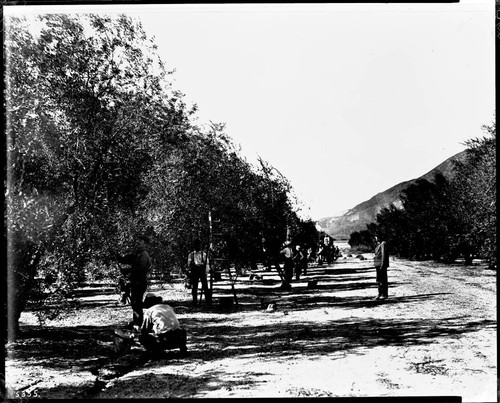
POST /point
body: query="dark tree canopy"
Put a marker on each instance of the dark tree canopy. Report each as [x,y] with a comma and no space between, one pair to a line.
[101,147]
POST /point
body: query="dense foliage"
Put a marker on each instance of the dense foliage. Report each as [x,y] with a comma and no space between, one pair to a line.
[446,218]
[102,148]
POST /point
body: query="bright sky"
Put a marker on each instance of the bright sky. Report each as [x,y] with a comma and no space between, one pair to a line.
[345,100]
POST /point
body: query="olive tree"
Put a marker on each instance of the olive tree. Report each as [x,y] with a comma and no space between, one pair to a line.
[87,104]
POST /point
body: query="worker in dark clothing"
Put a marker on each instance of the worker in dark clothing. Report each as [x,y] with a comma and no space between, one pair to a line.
[139,263]
[197,266]
[287,255]
[300,262]
[381,263]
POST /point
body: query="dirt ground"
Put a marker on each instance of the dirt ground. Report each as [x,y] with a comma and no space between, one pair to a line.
[434,336]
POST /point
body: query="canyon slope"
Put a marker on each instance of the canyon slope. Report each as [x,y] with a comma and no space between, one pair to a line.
[356,218]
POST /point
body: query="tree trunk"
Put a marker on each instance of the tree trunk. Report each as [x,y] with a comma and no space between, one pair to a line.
[20,280]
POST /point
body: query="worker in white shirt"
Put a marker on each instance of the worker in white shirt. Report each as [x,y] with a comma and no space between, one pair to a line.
[160,328]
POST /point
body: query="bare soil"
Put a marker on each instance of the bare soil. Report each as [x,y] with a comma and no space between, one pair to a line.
[434,336]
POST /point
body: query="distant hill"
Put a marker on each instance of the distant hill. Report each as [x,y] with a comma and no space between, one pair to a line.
[358,217]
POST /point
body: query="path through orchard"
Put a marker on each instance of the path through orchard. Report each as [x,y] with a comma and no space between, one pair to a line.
[434,336]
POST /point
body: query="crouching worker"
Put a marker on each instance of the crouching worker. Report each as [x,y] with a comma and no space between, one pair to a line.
[160,328]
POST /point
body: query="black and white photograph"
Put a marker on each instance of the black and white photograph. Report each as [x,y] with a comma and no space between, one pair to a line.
[250,200]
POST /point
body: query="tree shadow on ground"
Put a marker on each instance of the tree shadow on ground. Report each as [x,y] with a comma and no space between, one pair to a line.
[179,386]
[90,292]
[336,271]
[211,338]
[257,295]
[343,279]
[346,336]
[64,347]
[308,301]
[300,297]
[267,286]
[84,302]
[145,385]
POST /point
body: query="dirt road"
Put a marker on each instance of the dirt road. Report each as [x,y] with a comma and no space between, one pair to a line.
[434,336]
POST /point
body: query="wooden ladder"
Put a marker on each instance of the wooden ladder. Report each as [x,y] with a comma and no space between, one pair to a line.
[218,260]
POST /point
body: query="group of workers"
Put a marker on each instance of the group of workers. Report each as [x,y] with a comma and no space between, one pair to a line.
[153,321]
[156,322]
[327,251]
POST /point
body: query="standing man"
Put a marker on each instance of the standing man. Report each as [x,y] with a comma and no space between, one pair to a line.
[266,255]
[197,261]
[381,263]
[137,273]
[287,254]
[300,262]
[271,249]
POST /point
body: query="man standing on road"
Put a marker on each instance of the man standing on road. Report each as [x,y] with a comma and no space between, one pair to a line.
[381,263]
[137,272]
[197,262]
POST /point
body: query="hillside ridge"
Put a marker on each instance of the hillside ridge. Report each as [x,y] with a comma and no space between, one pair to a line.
[356,218]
